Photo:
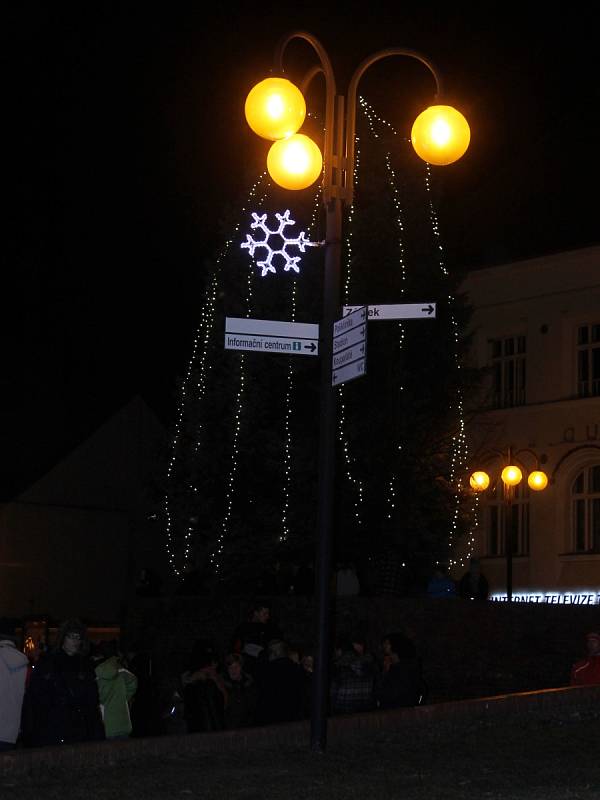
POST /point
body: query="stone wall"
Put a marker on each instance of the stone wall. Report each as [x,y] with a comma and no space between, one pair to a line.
[468,649]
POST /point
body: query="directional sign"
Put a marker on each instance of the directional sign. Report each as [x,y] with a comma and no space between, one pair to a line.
[354,336]
[398,311]
[272,336]
[349,347]
[355,317]
[349,372]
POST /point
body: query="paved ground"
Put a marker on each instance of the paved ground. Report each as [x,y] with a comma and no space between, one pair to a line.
[537,761]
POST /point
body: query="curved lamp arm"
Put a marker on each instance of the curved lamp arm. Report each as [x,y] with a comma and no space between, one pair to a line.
[352,91]
[330,92]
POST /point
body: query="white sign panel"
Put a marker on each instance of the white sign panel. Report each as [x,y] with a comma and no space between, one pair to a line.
[348,355]
[272,336]
[348,339]
[398,311]
[354,319]
[348,373]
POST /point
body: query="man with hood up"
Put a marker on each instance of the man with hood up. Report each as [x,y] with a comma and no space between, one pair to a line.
[61,702]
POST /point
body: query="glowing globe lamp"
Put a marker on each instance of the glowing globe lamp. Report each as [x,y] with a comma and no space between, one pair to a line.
[275,108]
[537,480]
[511,476]
[440,135]
[479,481]
[295,163]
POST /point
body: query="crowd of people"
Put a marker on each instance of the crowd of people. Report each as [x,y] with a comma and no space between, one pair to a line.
[76,692]
[80,691]
[265,680]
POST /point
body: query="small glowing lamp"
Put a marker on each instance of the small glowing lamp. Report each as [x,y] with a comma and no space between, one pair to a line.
[275,108]
[440,135]
[511,476]
[479,481]
[537,480]
[295,163]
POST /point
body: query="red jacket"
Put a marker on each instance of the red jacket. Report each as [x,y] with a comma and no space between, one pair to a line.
[586,671]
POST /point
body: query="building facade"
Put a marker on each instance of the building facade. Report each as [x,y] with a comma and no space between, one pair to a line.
[536,335]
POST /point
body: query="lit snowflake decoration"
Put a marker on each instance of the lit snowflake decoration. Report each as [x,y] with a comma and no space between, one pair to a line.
[266,264]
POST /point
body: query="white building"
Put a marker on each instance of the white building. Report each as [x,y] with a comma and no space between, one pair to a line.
[536,330]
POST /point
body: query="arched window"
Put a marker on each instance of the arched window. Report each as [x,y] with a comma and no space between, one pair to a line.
[508,518]
[585,510]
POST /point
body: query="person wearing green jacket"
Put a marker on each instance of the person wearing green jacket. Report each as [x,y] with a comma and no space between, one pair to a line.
[116,689]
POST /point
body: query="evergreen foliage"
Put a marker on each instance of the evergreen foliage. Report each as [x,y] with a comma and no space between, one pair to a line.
[399,419]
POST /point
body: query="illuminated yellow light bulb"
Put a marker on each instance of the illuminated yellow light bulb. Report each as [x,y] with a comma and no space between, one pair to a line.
[295,163]
[440,135]
[479,481]
[275,108]
[537,480]
[511,475]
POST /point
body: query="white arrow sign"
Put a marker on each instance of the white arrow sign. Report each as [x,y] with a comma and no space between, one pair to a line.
[348,373]
[348,355]
[356,317]
[350,338]
[272,336]
[397,311]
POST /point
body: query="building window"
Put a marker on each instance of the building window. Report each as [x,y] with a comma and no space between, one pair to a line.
[508,519]
[585,511]
[588,360]
[508,371]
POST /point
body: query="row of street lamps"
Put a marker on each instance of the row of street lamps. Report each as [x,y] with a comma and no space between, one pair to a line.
[511,477]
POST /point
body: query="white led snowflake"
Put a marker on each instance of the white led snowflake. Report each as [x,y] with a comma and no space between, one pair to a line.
[291,262]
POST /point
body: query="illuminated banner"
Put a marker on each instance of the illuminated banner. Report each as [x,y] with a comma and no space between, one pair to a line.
[573,597]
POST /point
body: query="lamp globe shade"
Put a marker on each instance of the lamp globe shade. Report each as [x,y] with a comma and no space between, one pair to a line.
[275,108]
[295,163]
[511,475]
[537,480]
[440,135]
[479,481]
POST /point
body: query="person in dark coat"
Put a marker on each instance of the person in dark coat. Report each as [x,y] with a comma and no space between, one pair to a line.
[61,702]
[401,683]
[252,636]
[241,694]
[204,693]
[473,584]
[280,684]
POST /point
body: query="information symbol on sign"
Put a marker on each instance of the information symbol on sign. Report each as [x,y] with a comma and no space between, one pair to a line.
[297,345]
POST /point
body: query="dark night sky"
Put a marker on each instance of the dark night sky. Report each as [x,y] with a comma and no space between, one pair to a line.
[128,147]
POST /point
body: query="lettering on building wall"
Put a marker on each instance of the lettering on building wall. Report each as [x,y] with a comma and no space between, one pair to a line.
[571,435]
[574,598]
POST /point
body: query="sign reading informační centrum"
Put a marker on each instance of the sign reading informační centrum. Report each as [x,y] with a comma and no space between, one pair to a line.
[272,336]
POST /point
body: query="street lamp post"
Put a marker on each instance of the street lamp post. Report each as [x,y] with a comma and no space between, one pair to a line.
[441,138]
[511,477]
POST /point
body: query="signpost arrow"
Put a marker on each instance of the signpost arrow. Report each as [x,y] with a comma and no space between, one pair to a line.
[397,311]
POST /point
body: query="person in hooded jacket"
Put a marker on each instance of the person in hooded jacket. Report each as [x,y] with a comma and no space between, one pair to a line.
[116,690]
[61,703]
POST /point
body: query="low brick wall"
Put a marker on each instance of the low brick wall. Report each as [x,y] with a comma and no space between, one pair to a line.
[548,705]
